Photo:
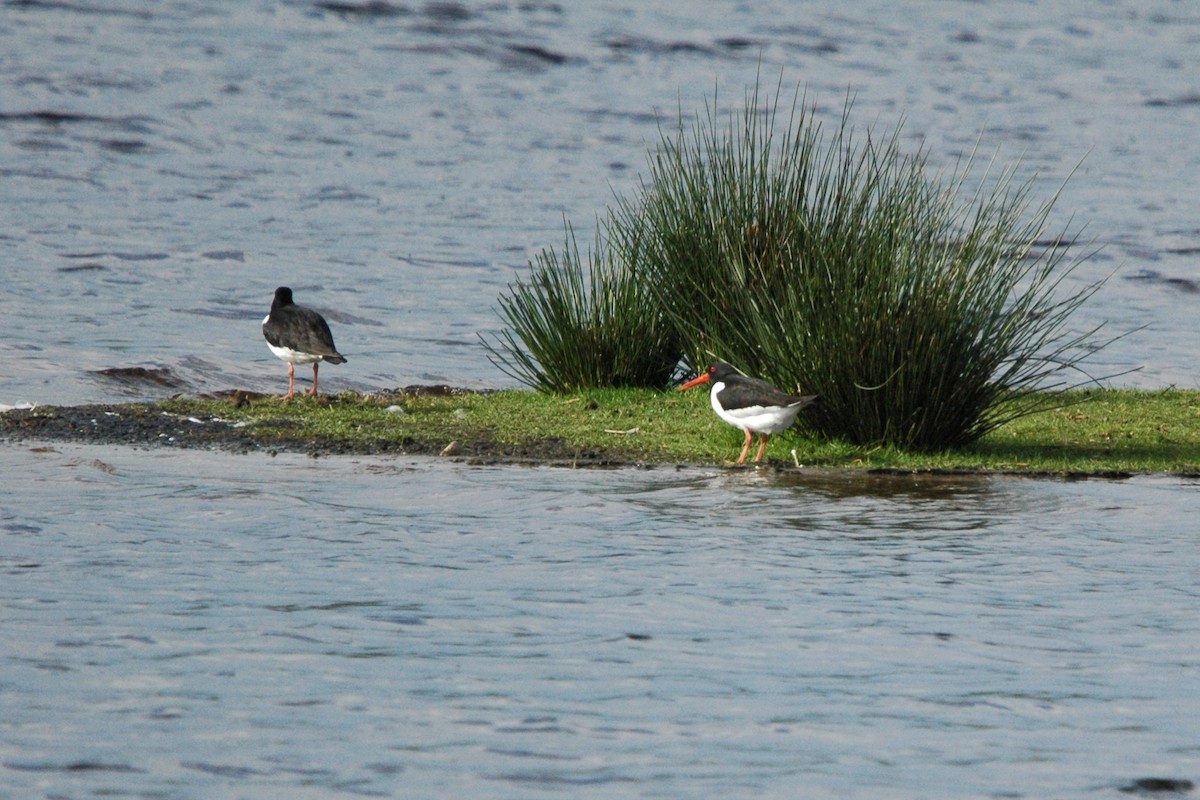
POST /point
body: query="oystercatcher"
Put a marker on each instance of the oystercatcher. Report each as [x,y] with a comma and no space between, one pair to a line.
[751,404]
[298,335]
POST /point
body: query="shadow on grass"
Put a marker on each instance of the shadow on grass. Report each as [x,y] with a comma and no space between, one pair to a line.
[1082,456]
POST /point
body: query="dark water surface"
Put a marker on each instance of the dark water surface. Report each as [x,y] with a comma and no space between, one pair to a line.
[185,624]
[182,624]
[163,167]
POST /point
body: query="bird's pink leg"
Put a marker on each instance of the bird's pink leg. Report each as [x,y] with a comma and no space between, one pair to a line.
[314,389]
[745,447]
[291,381]
[762,448]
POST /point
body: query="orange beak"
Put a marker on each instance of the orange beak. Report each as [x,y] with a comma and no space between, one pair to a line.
[696,381]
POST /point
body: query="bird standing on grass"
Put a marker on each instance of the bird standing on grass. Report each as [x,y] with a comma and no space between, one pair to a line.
[751,404]
[298,335]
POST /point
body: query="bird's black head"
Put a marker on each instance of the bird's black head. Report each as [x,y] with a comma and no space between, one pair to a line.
[283,297]
[719,371]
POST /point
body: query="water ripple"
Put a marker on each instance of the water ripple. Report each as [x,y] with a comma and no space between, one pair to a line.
[630,627]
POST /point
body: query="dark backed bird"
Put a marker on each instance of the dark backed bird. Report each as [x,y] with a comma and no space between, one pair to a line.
[298,335]
[751,404]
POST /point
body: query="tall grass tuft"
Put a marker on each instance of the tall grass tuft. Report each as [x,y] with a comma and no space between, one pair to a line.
[837,264]
[581,323]
[924,312]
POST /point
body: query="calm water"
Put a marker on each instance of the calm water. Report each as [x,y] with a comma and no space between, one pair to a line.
[198,625]
[185,624]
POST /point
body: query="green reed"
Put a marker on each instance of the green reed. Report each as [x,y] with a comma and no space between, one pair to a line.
[924,314]
[838,265]
[582,322]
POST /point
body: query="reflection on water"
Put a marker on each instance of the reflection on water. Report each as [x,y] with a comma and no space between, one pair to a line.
[905,505]
[192,622]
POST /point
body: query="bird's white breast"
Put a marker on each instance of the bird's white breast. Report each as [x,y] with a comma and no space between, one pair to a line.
[759,419]
[293,357]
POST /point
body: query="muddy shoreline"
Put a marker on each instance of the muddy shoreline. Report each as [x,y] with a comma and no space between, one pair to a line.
[147,426]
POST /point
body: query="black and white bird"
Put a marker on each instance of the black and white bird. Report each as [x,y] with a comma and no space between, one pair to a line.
[298,335]
[751,404]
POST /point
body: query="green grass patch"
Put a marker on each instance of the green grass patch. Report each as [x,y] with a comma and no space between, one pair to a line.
[1100,432]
